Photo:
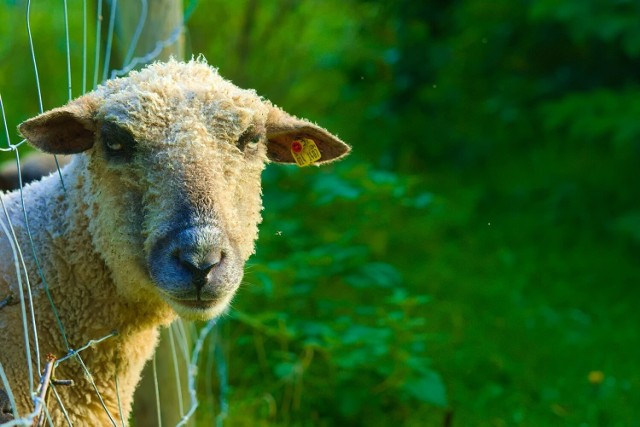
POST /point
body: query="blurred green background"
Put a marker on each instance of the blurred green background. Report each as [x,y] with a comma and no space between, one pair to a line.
[474,262]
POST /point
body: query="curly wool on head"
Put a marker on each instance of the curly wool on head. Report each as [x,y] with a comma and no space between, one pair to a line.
[160,214]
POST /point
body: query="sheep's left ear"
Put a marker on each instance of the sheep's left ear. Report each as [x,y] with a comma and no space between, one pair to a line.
[287,135]
[65,130]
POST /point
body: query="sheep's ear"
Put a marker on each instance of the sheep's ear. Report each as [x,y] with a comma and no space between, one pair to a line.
[65,130]
[289,136]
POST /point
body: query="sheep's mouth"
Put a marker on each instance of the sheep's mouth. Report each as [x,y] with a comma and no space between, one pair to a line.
[199,309]
[197,304]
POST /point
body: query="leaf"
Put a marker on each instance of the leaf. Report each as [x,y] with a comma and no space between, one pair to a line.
[330,187]
[421,201]
[266,282]
[284,369]
[628,225]
[428,388]
[375,274]
[365,334]
[355,359]
[316,329]
[350,403]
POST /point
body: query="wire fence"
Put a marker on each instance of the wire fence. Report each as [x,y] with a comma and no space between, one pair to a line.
[43,385]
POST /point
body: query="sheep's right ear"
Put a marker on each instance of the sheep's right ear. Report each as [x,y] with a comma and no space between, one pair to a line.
[65,130]
[285,132]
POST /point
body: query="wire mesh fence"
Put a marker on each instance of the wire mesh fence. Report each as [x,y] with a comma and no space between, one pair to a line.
[186,342]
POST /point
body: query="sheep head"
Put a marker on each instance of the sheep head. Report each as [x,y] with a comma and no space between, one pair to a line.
[171,158]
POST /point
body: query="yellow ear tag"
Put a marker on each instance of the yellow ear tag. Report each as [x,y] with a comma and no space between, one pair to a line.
[305,152]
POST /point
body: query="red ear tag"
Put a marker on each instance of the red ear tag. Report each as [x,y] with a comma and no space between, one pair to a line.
[296,146]
[305,151]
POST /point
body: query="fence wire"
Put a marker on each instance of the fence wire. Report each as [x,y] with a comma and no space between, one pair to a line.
[185,361]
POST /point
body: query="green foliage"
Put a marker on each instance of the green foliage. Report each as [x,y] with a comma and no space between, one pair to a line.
[17,77]
[601,116]
[475,257]
[607,21]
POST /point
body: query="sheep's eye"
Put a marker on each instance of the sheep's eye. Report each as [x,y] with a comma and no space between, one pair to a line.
[249,140]
[253,142]
[114,146]
[118,142]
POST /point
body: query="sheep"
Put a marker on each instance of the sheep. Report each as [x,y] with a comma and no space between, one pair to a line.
[6,413]
[32,167]
[158,215]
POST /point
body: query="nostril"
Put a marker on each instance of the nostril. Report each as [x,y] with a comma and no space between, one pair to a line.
[197,262]
[211,259]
